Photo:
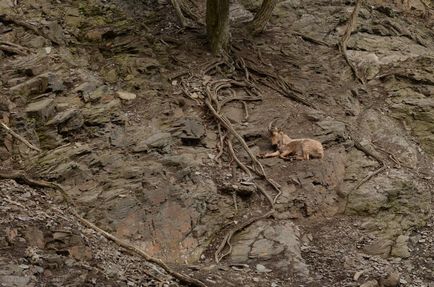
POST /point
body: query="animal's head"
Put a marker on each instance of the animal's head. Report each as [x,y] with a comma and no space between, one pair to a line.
[275,133]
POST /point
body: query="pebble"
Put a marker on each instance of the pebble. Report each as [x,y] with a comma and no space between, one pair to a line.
[126,96]
[262,269]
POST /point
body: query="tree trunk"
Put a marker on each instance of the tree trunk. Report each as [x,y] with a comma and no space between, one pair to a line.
[263,16]
[217,24]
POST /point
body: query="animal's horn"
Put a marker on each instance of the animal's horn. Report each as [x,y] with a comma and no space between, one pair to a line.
[270,125]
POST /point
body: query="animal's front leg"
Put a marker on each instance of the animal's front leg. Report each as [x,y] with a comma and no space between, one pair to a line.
[271,154]
[285,154]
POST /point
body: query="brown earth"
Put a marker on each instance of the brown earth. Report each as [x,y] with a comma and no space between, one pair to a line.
[114,92]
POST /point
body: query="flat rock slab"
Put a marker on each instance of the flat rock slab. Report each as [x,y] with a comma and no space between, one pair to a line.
[41,109]
[264,240]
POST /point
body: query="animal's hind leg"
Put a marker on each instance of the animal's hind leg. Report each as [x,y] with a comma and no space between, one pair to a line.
[304,155]
[285,154]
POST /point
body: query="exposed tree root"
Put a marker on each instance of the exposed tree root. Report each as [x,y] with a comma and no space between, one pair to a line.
[234,156]
[274,81]
[17,136]
[381,168]
[211,91]
[344,40]
[361,182]
[368,177]
[135,250]
[311,39]
[226,241]
[21,176]
[360,147]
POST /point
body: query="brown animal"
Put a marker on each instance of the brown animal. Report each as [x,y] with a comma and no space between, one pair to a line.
[303,149]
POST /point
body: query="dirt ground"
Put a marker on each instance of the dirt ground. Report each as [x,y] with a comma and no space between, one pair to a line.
[114,95]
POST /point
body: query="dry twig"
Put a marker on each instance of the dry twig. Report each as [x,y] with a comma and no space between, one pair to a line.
[17,136]
[13,48]
[234,230]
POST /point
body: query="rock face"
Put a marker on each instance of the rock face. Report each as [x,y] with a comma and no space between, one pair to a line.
[153,165]
[261,242]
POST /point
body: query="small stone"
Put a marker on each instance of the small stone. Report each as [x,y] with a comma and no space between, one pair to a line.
[255,279]
[262,269]
[126,96]
[391,280]
[379,247]
[62,117]
[400,249]
[358,274]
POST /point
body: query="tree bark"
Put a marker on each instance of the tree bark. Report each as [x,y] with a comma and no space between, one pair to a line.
[217,24]
[263,16]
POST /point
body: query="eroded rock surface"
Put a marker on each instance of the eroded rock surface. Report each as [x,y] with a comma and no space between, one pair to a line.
[105,99]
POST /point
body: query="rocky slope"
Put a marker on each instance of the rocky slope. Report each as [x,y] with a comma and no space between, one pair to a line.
[113,93]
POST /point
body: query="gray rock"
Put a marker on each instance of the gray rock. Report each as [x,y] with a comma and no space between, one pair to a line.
[103,113]
[118,137]
[160,141]
[54,32]
[183,160]
[334,127]
[35,86]
[265,249]
[63,117]
[86,87]
[391,280]
[190,130]
[261,241]
[55,83]
[15,281]
[400,249]
[126,95]
[42,109]
[379,247]
[38,42]
[74,123]
[97,94]
[262,269]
